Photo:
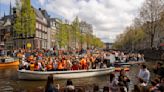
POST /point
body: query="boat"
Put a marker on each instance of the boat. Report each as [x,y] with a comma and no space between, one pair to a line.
[122,64]
[6,64]
[118,69]
[128,64]
[72,74]
[8,61]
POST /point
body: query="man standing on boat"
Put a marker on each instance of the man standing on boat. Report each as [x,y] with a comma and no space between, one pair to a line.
[112,59]
[144,74]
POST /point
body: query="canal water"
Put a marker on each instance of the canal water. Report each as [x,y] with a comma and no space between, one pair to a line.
[9,81]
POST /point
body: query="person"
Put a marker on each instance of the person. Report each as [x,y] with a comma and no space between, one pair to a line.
[113,84]
[142,82]
[122,87]
[60,65]
[75,66]
[106,89]
[96,88]
[83,63]
[123,80]
[55,65]
[161,85]
[69,86]
[138,88]
[159,70]
[112,59]
[155,85]
[144,74]
[50,85]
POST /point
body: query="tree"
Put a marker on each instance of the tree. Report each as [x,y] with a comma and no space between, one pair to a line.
[82,39]
[25,20]
[96,42]
[130,38]
[62,35]
[76,31]
[150,16]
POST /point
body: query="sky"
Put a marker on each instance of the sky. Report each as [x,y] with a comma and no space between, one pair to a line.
[109,18]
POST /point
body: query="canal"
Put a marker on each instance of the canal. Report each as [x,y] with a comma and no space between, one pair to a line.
[9,81]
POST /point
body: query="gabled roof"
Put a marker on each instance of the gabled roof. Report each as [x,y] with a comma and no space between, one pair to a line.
[38,13]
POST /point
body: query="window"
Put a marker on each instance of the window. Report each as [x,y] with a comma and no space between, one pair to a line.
[42,43]
[40,26]
[43,35]
[40,34]
[46,36]
[37,33]
[45,29]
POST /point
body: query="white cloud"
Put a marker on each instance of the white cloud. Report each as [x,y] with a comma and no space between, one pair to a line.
[108,17]
[42,2]
[7,2]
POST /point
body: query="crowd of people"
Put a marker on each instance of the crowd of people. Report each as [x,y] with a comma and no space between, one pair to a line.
[52,60]
[41,60]
[120,82]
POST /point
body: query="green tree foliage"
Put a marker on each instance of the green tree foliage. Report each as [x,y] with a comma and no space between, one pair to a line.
[150,14]
[97,43]
[147,27]
[76,31]
[130,38]
[62,35]
[69,35]
[25,19]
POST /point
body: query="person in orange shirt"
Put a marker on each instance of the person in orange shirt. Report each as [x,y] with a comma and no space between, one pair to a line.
[50,64]
[36,66]
[60,65]
[64,62]
[83,63]
[49,67]
[31,66]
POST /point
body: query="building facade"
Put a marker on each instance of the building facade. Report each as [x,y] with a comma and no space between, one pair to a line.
[40,37]
[6,38]
[52,33]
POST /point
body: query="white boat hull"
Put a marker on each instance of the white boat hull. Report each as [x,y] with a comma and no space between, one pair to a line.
[40,75]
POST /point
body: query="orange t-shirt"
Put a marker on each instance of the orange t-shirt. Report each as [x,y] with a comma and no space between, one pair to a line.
[64,63]
[49,67]
[83,62]
[32,67]
[60,65]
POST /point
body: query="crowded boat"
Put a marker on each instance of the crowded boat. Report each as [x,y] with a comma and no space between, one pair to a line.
[52,60]
[92,60]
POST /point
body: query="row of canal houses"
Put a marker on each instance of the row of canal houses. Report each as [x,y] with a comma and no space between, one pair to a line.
[46,28]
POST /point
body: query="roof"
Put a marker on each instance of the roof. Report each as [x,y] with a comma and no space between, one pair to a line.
[38,13]
[1,22]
